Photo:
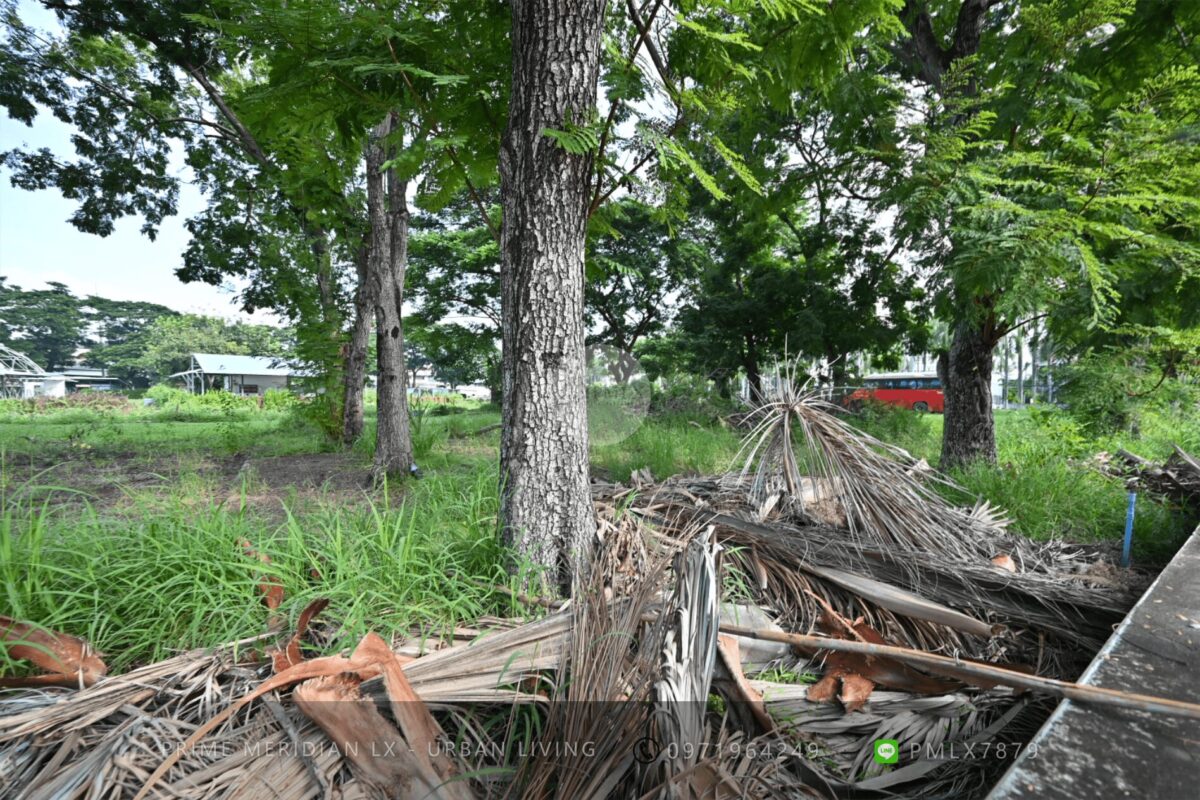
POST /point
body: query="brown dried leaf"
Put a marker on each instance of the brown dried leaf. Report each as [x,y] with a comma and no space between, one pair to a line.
[856,690]
[67,659]
[290,656]
[373,746]
[417,725]
[858,675]
[729,652]
[1005,562]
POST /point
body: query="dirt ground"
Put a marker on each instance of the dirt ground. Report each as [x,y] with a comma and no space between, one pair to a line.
[115,478]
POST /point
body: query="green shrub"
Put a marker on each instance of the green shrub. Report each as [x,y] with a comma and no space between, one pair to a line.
[1096,391]
[280,400]
[162,395]
[689,397]
[1046,434]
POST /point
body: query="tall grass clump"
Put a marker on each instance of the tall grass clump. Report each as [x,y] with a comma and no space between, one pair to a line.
[158,577]
[666,447]
[1056,499]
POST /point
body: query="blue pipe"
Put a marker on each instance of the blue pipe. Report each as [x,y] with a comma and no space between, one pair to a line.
[1128,530]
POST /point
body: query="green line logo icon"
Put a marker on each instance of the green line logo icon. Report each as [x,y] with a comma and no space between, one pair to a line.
[887,751]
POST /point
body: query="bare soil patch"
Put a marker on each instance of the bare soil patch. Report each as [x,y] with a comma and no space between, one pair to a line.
[111,478]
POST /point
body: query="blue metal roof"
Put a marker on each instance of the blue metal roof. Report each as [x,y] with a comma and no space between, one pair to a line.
[224,364]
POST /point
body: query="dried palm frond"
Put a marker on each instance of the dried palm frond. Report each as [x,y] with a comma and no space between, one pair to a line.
[486,669]
[67,660]
[886,501]
[932,600]
[686,666]
[597,717]
[184,685]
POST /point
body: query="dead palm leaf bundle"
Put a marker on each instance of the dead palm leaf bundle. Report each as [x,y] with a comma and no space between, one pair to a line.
[103,740]
[107,739]
[835,526]
[921,724]
[1051,617]
[604,700]
[887,497]
[686,668]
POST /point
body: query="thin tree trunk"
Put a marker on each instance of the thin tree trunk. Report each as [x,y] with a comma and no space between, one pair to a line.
[723,390]
[753,372]
[389,232]
[326,292]
[357,349]
[837,369]
[545,503]
[322,342]
[1020,369]
[1004,380]
[969,433]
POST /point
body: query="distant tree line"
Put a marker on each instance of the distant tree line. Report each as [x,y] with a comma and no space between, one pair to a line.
[139,343]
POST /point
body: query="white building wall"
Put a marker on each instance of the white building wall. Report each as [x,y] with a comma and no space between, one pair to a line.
[260,383]
[52,386]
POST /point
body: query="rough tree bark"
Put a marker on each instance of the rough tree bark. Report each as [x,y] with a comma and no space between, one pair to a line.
[969,432]
[357,349]
[545,503]
[388,210]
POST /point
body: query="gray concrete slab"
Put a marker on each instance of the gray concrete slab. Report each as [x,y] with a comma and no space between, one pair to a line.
[1093,753]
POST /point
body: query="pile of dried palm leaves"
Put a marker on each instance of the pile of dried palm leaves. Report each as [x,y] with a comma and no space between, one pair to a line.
[1177,479]
[746,635]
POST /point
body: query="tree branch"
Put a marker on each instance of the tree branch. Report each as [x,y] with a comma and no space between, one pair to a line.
[612,111]
[247,140]
[978,673]
[483,212]
[1005,330]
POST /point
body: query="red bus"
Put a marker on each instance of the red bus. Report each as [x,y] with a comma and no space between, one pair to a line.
[918,391]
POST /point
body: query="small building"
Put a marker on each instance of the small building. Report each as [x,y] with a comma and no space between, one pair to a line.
[73,379]
[245,375]
[20,377]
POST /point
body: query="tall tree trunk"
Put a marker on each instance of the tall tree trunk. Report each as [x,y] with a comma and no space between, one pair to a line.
[837,369]
[388,208]
[929,53]
[723,390]
[331,321]
[969,433]
[321,340]
[545,502]
[357,349]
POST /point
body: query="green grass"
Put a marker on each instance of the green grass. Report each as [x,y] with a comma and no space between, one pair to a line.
[156,576]
[667,447]
[270,433]
[1044,480]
